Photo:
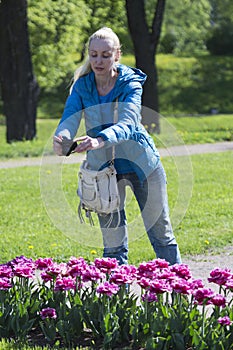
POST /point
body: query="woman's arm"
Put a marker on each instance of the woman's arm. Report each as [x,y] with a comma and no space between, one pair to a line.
[129,117]
[71,116]
[68,124]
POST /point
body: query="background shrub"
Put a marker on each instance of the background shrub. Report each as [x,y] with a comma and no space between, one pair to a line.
[220,41]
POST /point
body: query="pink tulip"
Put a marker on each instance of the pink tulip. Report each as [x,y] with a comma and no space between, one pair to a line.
[229,284]
[106,265]
[144,282]
[182,270]
[5,283]
[181,286]
[48,313]
[77,267]
[65,283]
[92,273]
[196,284]
[218,300]
[43,263]
[166,274]
[148,269]
[6,271]
[161,263]
[120,278]
[203,294]
[220,276]
[160,286]
[149,297]
[23,270]
[107,288]
[224,321]
[76,261]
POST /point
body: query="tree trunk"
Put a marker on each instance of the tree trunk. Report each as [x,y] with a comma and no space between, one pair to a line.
[18,85]
[145,44]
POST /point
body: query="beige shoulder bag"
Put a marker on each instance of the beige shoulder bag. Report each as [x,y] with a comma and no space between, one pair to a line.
[98,190]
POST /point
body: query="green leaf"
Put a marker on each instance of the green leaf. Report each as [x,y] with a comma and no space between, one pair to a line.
[77,300]
[178,341]
[49,330]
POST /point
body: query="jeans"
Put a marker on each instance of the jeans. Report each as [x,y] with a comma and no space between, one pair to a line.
[151,196]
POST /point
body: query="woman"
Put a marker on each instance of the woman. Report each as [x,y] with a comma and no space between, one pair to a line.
[97,86]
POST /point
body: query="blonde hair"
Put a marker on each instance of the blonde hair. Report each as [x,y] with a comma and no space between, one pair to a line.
[102,33]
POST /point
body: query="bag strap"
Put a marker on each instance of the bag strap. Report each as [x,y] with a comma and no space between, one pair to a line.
[115,120]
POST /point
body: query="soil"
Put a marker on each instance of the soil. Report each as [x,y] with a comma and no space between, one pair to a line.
[202,265]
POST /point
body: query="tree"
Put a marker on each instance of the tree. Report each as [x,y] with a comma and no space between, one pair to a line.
[145,42]
[18,85]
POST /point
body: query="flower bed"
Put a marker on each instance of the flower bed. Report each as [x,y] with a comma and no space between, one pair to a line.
[94,304]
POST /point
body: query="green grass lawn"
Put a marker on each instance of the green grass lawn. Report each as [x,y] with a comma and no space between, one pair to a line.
[174,131]
[39,213]
[39,210]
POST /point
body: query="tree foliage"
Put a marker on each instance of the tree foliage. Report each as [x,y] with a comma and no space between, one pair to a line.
[220,41]
[107,13]
[56,32]
[220,36]
[221,11]
[186,24]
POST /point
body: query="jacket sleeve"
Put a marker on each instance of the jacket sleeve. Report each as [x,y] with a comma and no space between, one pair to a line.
[71,116]
[129,116]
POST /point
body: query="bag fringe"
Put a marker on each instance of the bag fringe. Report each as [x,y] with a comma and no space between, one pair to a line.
[88,215]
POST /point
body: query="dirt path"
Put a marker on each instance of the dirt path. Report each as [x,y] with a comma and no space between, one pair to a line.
[202,265]
[174,151]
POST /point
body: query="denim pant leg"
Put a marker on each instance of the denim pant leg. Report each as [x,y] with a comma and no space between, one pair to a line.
[153,202]
[115,234]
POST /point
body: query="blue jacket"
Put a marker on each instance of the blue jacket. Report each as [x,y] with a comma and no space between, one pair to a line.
[132,143]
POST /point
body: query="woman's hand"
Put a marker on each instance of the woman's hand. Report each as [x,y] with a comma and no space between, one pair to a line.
[84,143]
[57,145]
[88,143]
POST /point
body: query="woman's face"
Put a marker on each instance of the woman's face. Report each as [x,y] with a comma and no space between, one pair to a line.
[102,56]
